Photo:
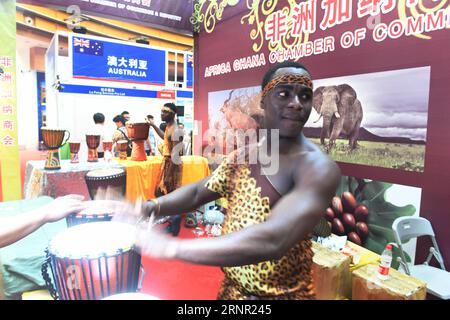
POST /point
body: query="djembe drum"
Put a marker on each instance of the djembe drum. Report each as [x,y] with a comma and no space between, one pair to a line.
[138,133]
[107,146]
[92,141]
[53,140]
[102,211]
[92,261]
[122,148]
[114,180]
[74,149]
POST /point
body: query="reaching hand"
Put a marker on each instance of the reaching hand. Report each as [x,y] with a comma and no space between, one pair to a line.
[61,207]
[132,213]
[155,244]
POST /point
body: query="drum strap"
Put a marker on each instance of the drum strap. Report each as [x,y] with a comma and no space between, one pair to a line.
[123,133]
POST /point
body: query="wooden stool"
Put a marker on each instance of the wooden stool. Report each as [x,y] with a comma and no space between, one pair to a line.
[399,286]
[330,273]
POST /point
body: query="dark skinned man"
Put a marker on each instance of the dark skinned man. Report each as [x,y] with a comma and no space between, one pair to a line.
[170,174]
[265,251]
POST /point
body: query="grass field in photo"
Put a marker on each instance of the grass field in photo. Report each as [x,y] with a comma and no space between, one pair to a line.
[409,157]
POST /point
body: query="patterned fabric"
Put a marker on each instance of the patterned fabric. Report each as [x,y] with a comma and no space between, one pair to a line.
[287,78]
[287,278]
[67,180]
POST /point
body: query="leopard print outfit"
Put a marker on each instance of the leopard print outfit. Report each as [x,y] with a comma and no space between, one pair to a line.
[287,278]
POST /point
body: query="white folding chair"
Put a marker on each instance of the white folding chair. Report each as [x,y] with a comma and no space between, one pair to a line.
[438,280]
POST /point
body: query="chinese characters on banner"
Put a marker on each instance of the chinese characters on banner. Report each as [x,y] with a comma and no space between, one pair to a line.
[304,16]
[305,28]
[9,148]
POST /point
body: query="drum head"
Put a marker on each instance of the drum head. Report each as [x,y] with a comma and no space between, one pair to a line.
[100,173]
[92,240]
[131,296]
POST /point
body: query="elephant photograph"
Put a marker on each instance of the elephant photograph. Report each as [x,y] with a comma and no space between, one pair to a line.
[377,119]
[341,112]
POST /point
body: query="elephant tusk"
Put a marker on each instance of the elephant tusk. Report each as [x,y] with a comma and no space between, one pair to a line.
[320,116]
[337,115]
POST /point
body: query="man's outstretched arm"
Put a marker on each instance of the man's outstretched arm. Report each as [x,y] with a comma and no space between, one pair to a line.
[293,219]
[182,200]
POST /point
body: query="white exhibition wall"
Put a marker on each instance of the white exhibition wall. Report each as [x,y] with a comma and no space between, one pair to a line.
[72,111]
[75,113]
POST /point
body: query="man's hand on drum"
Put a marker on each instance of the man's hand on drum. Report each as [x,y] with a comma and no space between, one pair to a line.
[154,243]
[131,212]
[14,228]
[61,207]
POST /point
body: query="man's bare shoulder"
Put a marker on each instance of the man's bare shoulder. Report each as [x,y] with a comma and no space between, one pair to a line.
[315,162]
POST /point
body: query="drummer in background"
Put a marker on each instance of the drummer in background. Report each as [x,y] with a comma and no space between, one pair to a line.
[13,229]
[120,133]
[170,175]
[150,143]
[99,120]
[126,116]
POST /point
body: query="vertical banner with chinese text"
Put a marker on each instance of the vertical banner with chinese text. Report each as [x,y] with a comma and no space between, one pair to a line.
[9,147]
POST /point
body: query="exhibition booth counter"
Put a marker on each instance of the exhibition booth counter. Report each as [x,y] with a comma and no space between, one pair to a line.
[141,176]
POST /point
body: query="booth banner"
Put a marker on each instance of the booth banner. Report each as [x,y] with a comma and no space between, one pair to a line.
[388,60]
[122,92]
[395,142]
[190,70]
[174,14]
[290,30]
[99,59]
[117,92]
[9,147]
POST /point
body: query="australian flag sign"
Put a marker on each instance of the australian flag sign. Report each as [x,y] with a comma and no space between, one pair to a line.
[109,60]
[87,46]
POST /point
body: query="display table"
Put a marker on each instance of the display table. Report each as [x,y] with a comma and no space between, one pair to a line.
[55,183]
[141,176]
[399,286]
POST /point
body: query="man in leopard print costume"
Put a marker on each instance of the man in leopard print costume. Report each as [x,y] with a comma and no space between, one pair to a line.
[265,251]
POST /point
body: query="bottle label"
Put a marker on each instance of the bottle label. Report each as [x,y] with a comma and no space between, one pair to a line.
[383,270]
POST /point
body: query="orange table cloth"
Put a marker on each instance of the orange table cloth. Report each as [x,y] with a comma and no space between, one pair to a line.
[142,176]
